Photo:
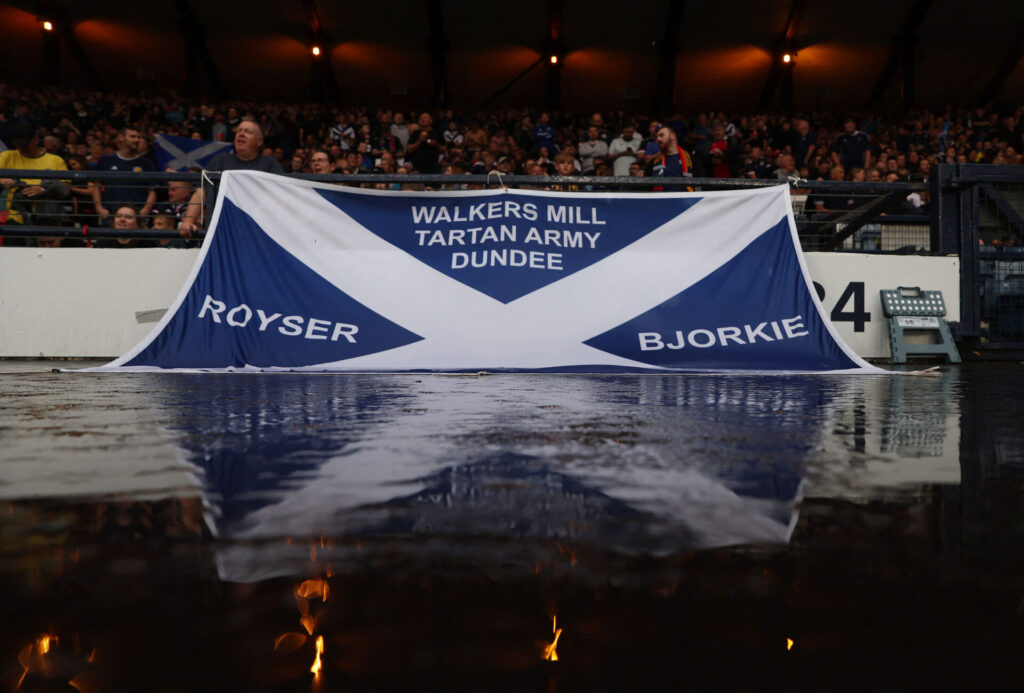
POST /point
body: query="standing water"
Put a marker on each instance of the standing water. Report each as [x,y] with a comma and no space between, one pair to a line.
[297,532]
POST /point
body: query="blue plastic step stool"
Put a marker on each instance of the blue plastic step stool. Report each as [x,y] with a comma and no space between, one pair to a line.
[909,308]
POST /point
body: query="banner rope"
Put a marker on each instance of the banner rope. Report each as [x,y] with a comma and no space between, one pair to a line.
[202,198]
[501,182]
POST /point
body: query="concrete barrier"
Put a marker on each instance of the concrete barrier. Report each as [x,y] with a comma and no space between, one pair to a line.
[99,303]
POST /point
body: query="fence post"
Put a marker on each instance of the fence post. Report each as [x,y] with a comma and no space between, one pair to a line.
[945,225]
[970,299]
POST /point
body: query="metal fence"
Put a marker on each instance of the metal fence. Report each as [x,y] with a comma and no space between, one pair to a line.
[973,211]
[862,217]
[980,215]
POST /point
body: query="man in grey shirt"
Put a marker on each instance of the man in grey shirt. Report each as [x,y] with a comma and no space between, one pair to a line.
[400,131]
[591,148]
[624,149]
[245,157]
[787,167]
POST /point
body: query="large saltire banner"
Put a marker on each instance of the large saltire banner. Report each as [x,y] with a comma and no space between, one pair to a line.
[297,275]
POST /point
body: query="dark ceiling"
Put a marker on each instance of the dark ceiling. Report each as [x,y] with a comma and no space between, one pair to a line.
[953,52]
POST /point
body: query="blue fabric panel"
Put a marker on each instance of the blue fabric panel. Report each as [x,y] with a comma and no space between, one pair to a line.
[394,218]
[245,267]
[760,288]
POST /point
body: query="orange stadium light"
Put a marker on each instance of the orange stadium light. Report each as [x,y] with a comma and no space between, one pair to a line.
[554,59]
[787,58]
[316,51]
[47,26]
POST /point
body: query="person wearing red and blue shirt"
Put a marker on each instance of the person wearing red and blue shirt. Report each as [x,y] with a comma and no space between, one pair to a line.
[671,161]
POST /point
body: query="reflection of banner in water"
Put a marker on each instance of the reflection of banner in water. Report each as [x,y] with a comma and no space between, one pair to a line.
[267,436]
[367,457]
[299,275]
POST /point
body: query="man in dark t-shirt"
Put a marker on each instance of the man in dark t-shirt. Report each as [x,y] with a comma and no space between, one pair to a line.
[851,146]
[140,194]
[806,143]
[245,157]
[424,151]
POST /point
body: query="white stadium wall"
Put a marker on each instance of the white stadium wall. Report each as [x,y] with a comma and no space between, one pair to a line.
[71,302]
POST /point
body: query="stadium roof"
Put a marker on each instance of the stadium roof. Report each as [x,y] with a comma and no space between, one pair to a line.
[724,55]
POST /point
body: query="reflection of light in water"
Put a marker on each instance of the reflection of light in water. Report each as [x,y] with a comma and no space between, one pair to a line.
[25,662]
[287,643]
[43,644]
[43,658]
[87,682]
[317,665]
[551,650]
[316,587]
[32,657]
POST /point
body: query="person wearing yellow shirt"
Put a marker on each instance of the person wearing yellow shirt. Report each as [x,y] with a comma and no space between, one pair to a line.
[23,197]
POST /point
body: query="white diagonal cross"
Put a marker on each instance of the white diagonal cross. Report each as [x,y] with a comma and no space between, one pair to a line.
[466,329]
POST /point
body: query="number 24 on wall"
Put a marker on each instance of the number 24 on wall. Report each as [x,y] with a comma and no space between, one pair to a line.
[858,316]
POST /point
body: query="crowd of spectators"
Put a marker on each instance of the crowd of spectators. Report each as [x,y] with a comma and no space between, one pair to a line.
[93,131]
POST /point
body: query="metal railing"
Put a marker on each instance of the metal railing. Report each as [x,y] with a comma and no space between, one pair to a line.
[830,215]
[980,215]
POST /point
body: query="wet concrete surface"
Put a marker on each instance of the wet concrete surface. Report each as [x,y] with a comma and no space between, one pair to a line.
[686,531]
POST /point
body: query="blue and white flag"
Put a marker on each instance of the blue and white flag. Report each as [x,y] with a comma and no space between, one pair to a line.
[299,275]
[183,153]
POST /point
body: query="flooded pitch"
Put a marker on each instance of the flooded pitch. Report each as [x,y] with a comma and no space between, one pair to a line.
[293,532]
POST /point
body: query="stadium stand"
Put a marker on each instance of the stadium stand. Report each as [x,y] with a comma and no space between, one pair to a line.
[84,127]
